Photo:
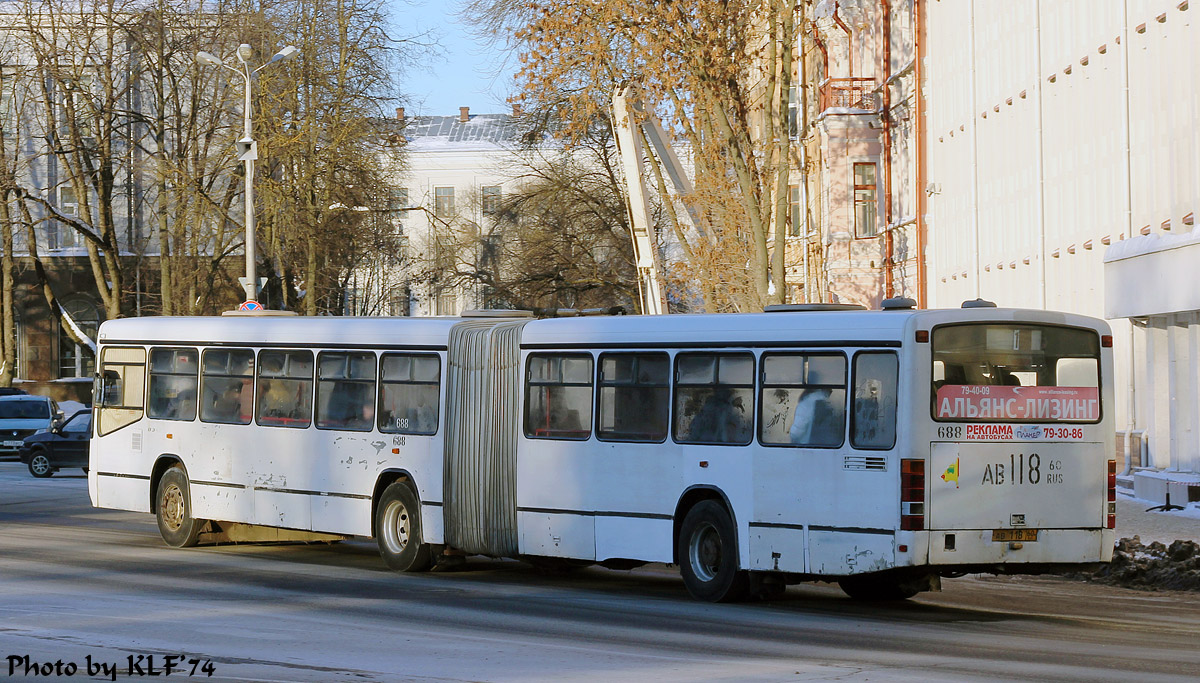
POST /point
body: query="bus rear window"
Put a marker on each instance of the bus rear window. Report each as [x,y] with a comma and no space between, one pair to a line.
[1015,373]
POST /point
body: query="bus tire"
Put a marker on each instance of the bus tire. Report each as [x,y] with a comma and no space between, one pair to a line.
[875,588]
[708,557]
[39,464]
[398,530]
[174,510]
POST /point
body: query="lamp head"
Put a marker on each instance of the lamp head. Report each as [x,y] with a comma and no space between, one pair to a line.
[207,59]
[245,52]
[286,53]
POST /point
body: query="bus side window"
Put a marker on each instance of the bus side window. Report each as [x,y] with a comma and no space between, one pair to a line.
[634,397]
[558,396]
[227,386]
[409,389]
[122,387]
[285,388]
[714,398]
[873,425]
[346,390]
[173,381]
[803,400]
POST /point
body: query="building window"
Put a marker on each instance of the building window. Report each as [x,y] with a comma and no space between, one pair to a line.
[795,212]
[491,199]
[66,237]
[865,201]
[443,206]
[447,304]
[793,112]
[73,359]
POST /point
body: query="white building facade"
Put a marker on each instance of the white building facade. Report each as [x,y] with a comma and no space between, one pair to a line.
[1057,131]
[458,169]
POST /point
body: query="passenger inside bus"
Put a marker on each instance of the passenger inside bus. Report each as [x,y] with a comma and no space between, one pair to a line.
[722,418]
[816,422]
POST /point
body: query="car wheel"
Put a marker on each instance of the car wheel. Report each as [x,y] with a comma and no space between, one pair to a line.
[398,530]
[39,464]
[174,510]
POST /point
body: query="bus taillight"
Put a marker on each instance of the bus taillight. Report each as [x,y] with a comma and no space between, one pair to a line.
[1112,494]
[912,494]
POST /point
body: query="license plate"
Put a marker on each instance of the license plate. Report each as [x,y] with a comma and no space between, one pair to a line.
[13,444]
[1006,535]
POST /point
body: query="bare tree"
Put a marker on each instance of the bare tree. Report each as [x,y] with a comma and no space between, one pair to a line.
[720,73]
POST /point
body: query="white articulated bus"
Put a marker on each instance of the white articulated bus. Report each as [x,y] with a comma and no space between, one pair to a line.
[879,449]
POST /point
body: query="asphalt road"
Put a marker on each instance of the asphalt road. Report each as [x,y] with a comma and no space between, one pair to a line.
[79,583]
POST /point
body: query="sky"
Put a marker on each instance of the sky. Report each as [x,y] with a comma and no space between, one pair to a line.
[464,74]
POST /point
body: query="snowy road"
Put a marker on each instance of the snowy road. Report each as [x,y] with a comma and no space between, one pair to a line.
[79,583]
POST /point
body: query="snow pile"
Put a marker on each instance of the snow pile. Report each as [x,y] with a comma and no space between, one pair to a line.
[1152,567]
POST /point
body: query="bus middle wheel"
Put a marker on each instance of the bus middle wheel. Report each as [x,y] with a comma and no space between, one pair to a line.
[398,530]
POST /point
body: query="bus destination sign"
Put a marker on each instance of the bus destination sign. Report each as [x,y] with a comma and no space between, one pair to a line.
[1016,403]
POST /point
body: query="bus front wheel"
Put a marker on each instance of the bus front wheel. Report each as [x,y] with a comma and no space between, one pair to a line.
[398,530]
[708,558]
[174,510]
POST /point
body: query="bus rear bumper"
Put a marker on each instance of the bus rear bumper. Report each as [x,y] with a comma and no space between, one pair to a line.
[1053,551]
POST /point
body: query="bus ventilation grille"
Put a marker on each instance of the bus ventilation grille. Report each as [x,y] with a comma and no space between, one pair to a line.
[865,462]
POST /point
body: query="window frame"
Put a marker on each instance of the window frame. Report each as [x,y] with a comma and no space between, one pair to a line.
[852,396]
[259,394]
[440,210]
[676,384]
[253,377]
[598,387]
[763,386]
[860,231]
[372,393]
[381,383]
[150,373]
[527,383]
[132,412]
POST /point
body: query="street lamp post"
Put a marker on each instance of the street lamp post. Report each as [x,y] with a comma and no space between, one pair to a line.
[247,147]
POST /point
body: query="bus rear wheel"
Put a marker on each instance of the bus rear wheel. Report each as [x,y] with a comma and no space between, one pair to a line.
[174,510]
[398,530]
[708,558]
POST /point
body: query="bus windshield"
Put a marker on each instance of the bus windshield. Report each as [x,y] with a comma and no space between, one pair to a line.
[1015,373]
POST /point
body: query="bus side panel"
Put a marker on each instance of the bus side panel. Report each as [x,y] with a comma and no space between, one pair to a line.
[122,493]
[636,488]
[224,503]
[633,538]
[557,534]
[340,515]
[777,549]
[846,552]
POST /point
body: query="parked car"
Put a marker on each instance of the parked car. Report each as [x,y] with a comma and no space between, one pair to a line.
[65,445]
[22,416]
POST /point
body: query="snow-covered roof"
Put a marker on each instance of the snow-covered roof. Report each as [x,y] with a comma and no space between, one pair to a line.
[487,131]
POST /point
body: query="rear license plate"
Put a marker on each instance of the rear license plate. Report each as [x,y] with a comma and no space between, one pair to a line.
[13,444]
[1006,535]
